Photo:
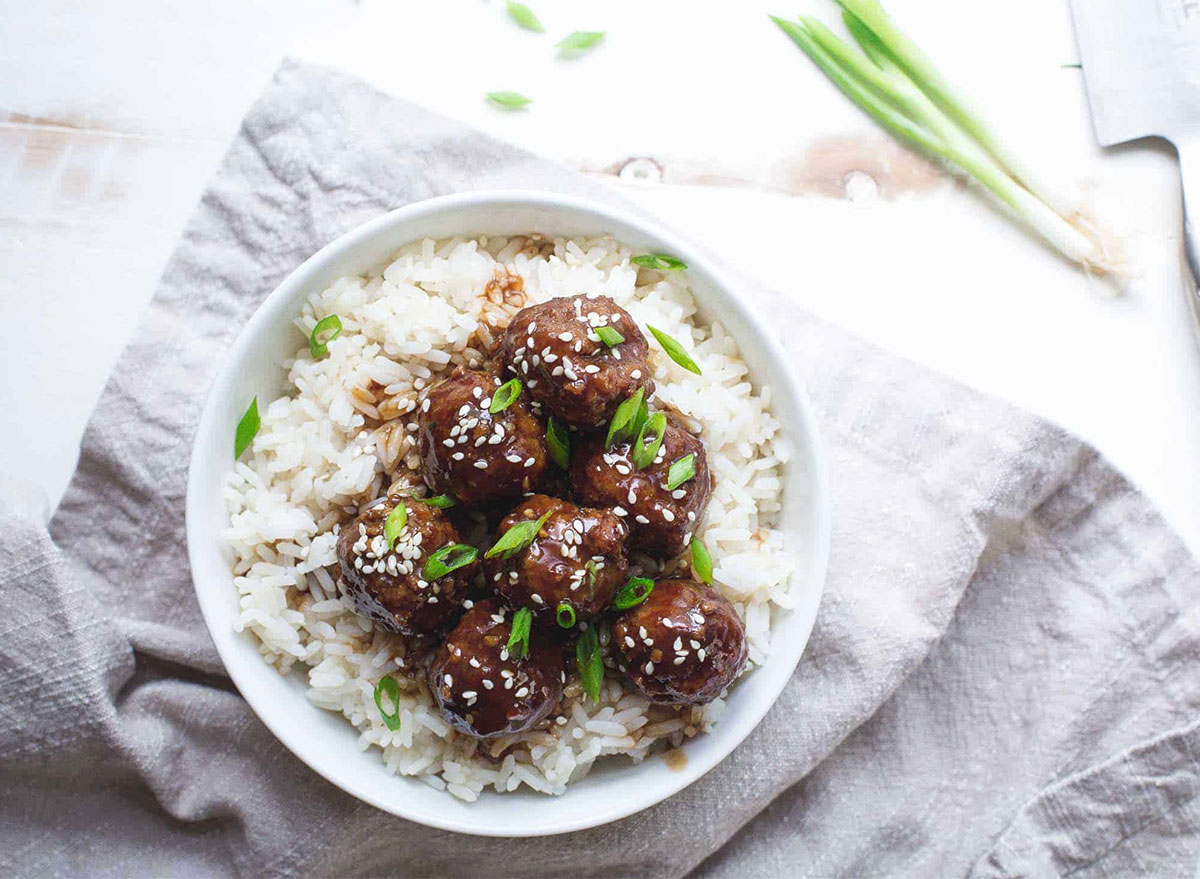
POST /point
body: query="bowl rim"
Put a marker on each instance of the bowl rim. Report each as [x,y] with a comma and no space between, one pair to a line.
[784,381]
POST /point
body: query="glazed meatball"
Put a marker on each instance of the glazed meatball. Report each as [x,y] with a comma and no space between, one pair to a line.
[481,689]
[388,585]
[578,558]
[554,348]
[472,453]
[661,520]
[683,645]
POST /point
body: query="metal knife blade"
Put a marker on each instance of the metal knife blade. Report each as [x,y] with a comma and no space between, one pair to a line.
[1141,63]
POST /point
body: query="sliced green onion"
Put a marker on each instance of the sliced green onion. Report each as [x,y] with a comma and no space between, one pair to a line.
[659,261]
[899,88]
[447,559]
[579,41]
[517,537]
[387,686]
[508,100]
[644,453]
[327,329]
[565,614]
[681,471]
[559,441]
[633,593]
[624,419]
[523,15]
[505,395]
[247,429]
[674,350]
[441,501]
[701,562]
[592,572]
[518,639]
[590,662]
[394,524]
[609,336]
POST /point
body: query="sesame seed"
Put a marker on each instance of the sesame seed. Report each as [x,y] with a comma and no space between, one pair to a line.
[642,519]
[536,599]
[668,515]
[487,684]
[700,654]
[629,642]
[649,668]
[678,493]
[482,465]
[522,693]
[565,337]
[470,694]
[449,681]
[620,511]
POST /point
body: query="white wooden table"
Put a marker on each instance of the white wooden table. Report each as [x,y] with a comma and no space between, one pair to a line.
[117,113]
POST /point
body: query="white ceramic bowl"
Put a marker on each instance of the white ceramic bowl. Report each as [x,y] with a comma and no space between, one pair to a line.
[325,740]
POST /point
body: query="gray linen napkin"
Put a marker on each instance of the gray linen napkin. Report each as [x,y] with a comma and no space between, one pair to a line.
[1008,637]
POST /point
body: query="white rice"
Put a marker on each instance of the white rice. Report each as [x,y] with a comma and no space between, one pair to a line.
[315,459]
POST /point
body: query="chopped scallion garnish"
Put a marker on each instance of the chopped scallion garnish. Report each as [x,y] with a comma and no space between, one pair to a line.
[625,418]
[517,537]
[247,429]
[387,686]
[505,395]
[518,639]
[559,442]
[394,524]
[565,614]
[523,15]
[633,593]
[580,41]
[447,559]
[701,562]
[653,429]
[590,662]
[659,261]
[441,501]
[609,336]
[592,570]
[674,350]
[508,100]
[681,471]
[327,329]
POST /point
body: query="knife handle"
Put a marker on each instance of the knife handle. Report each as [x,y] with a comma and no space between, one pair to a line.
[1189,178]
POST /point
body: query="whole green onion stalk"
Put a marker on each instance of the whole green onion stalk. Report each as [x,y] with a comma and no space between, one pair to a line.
[897,85]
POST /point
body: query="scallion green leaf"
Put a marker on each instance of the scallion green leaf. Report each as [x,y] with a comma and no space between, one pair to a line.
[645,452]
[247,429]
[633,593]
[674,350]
[394,524]
[517,537]
[518,639]
[441,501]
[624,419]
[523,15]
[609,336]
[701,562]
[590,662]
[564,615]
[509,100]
[681,471]
[579,42]
[559,441]
[327,329]
[448,559]
[592,571]
[387,686]
[505,395]
[659,261]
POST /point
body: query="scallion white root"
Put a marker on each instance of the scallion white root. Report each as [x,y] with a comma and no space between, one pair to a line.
[898,86]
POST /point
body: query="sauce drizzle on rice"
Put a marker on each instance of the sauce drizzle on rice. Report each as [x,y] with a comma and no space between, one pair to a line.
[348,420]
